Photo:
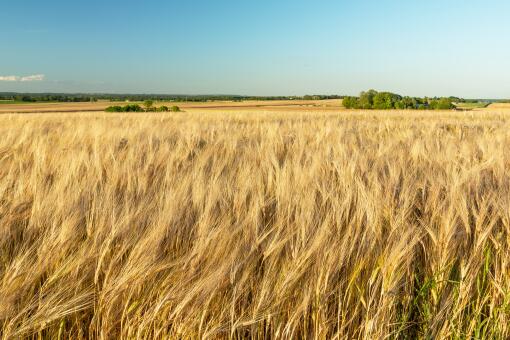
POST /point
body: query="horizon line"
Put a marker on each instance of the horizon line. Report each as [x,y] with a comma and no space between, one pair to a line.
[229,95]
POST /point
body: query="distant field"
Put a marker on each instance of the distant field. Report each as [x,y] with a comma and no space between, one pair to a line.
[3,102]
[283,105]
[500,106]
[255,224]
[471,106]
[331,105]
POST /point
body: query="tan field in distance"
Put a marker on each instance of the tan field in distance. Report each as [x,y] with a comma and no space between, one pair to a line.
[268,223]
[280,105]
[499,106]
[255,106]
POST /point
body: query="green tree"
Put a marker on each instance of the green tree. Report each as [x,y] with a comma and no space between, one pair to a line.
[366,99]
[148,105]
[350,102]
[114,109]
[385,100]
[441,104]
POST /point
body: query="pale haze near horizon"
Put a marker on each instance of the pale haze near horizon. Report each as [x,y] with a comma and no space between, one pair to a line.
[433,48]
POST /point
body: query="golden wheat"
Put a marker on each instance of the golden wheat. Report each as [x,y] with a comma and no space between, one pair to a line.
[268,226]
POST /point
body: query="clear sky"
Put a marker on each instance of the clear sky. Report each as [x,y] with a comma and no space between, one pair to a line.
[263,47]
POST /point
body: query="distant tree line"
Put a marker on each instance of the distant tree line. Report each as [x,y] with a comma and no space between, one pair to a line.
[81,97]
[209,98]
[386,101]
[47,97]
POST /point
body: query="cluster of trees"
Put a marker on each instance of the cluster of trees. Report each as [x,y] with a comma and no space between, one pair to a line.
[125,108]
[149,107]
[386,100]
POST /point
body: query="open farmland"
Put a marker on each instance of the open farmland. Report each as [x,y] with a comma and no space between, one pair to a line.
[279,105]
[287,224]
[253,106]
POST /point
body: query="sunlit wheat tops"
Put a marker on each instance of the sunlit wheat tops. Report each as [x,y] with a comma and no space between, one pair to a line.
[186,226]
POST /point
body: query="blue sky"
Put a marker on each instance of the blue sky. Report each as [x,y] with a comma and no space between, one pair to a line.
[257,47]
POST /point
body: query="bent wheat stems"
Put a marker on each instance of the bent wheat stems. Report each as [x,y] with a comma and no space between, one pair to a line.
[277,225]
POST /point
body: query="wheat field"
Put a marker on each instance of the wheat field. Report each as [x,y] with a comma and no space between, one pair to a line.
[284,225]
